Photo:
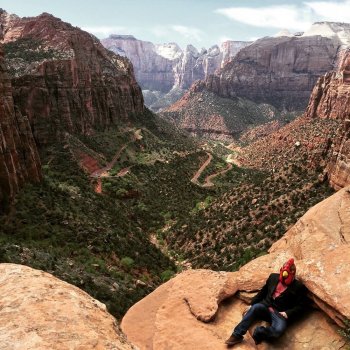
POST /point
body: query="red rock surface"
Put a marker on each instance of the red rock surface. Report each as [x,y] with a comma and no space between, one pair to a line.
[19,159]
[331,99]
[81,87]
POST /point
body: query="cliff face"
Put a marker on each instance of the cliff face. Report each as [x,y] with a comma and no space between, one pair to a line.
[63,78]
[167,67]
[152,70]
[19,160]
[189,309]
[280,71]
[331,99]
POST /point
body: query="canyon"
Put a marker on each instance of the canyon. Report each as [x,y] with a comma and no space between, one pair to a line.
[200,307]
[165,71]
[56,79]
[211,303]
[102,193]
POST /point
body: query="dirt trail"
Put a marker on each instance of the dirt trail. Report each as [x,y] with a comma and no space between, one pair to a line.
[208,180]
[201,169]
[104,171]
[124,171]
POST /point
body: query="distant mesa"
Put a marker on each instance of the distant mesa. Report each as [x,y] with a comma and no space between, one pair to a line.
[122,37]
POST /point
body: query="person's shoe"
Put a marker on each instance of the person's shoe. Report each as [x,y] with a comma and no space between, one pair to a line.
[233,340]
[258,335]
[257,341]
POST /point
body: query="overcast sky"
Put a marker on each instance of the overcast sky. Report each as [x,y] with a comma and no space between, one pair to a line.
[199,22]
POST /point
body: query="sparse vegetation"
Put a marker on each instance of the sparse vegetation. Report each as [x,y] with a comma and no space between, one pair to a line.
[21,53]
[345,332]
[121,244]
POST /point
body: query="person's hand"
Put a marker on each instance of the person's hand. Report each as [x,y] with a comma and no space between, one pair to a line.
[284,314]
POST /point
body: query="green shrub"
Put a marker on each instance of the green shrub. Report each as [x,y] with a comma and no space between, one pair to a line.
[345,332]
[127,262]
[167,275]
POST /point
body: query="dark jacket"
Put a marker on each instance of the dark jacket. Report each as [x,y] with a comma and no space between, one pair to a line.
[292,301]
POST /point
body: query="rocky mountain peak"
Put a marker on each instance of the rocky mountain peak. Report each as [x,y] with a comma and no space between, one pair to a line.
[171,51]
[190,49]
[280,71]
[329,30]
[214,50]
[121,37]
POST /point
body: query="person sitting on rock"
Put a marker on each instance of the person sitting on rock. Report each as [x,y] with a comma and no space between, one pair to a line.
[280,300]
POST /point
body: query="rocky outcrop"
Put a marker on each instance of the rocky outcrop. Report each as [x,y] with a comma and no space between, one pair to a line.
[330,99]
[166,67]
[230,49]
[63,78]
[46,313]
[19,159]
[199,308]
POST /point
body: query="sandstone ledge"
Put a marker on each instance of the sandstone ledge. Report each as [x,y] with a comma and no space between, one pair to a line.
[38,311]
[198,308]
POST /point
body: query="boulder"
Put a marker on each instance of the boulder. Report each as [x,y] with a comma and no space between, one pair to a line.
[38,311]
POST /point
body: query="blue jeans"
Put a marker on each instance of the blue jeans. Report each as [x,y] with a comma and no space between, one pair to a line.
[261,312]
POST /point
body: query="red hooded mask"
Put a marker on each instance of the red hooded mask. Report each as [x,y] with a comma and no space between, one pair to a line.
[287,272]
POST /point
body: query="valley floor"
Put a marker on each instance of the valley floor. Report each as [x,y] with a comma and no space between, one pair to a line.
[123,210]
